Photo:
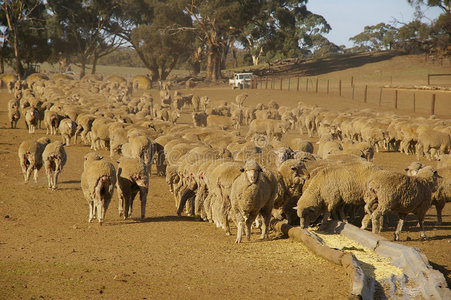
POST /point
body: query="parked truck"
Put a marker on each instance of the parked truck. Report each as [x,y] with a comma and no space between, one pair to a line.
[241,80]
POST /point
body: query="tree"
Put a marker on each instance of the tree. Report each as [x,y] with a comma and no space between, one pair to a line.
[443,4]
[78,28]
[24,22]
[376,37]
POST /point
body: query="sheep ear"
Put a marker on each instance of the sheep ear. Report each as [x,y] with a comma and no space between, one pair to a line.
[242,170]
[293,168]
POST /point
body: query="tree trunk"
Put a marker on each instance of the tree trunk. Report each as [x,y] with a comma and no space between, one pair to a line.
[213,63]
[94,63]
[195,68]
[234,58]
[83,67]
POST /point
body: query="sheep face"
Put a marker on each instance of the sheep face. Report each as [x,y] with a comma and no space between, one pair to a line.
[307,215]
[252,170]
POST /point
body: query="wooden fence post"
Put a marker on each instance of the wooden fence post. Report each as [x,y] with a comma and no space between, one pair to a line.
[365,95]
[266,87]
[352,81]
[339,88]
[396,99]
[316,85]
[306,85]
[281,80]
[414,102]
[328,86]
[433,105]
[297,86]
[380,96]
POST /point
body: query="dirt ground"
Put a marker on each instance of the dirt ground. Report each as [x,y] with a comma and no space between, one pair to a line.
[48,249]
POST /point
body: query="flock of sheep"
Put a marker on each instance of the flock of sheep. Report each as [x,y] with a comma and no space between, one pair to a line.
[218,174]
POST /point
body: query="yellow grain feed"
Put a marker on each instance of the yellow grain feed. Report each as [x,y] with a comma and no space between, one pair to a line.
[374,265]
[141,82]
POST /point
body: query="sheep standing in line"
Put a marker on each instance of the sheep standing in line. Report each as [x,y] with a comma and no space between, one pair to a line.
[139,146]
[30,157]
[252,193]
[31,119]
[132,177]
[390,191]
[97,182]
[13,113]
[67,129]
[240,99]
[54,158]
[51,121]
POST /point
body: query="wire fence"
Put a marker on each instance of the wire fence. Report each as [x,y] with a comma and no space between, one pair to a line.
[426,101]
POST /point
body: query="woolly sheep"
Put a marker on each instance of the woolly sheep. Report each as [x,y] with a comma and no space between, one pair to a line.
[97,182]
[31,119]
[54,158]
[252,193]
[132,177]
[199,119]
[67,128]
[390,191]
[432,143]
[139,147]
[239,99]
[51,121]
[30,157]
[13,113]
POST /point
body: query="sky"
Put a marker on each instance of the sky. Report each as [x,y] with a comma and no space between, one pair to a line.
[348,17]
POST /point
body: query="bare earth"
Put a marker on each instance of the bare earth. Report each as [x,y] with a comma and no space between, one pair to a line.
[49,250]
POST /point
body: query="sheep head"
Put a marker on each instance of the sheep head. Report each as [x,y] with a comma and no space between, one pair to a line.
[252,171]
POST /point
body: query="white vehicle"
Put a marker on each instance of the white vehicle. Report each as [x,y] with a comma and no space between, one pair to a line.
[241,80]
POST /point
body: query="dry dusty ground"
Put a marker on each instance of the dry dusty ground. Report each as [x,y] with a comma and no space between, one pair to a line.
[49,250]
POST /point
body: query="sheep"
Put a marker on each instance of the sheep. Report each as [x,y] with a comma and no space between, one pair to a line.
[269,127]
[139,147]
[332,186]
[252,193]
[299,144]
[221,122]
[432,143]
[240,99]
[100,133]
[204,101]
[84,124]
[199,119]
[30,157]
[173,116]
[132,177]
[118,137]
[67,129]
[51,121]
[13,113]
[54,158]
[97,182]
[31,119]
[195,103]
[390,191]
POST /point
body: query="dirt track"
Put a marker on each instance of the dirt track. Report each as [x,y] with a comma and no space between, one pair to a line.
[48,249]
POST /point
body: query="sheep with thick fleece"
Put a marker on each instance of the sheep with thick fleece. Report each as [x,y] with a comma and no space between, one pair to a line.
[84,124]
[67,129]
[97,182]
[30,157]
[332,186]
[54,158]
[432,143]
[399,193]
[31,118]
[132,177]
[13,113]
[51,121]
[139,147]
[252,193]
[239,99]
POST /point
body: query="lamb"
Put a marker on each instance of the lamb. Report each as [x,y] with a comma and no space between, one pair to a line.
[132,177]
[390,191]
[30,157]
[97,182]
[67,129]
[31,119]
[54,158]
[252,193]
[331,187]
[199,119]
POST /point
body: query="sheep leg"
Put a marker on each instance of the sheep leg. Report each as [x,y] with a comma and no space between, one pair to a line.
[91,211]
[402,217]
[265,224]
[249,222]
[35,175]
[439,205]
[239,226]
[376,221]
[188,193]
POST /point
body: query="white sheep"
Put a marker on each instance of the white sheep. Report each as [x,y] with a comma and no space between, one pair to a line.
[67,128]
[252,193]
[30,157]
[31,118]
[97,182]
[132,177]
[51,121]
[54,158]
[390,191]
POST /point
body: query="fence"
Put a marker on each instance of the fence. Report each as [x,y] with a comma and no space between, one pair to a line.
[414,100]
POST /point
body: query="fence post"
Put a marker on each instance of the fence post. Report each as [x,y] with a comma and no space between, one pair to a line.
[316,85]
[352,81]
[429,79]
[328,86]
[272,83]
[414,102]
[339,88]
[281,79]
[396,99]
[289,80]
[365,95]
[433,105]
[306,85]
[380,96]
[266,87]
[297,86]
